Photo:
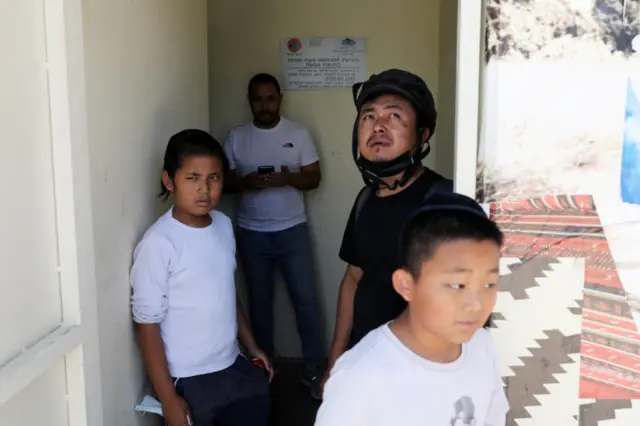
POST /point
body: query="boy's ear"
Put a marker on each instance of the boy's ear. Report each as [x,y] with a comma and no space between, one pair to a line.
[403,283]
[166,181]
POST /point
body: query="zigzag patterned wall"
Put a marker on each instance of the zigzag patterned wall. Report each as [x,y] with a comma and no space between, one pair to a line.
[569,348]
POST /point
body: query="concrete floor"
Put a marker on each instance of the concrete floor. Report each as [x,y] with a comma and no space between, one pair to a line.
[291,404]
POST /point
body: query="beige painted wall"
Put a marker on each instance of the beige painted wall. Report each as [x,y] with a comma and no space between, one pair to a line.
[146,71]
[406,35]
[447,86]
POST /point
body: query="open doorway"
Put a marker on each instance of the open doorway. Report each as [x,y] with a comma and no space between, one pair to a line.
[421,38]
[416,35]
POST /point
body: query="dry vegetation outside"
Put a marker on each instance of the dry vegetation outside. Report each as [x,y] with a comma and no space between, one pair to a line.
[555,96]
[556,28]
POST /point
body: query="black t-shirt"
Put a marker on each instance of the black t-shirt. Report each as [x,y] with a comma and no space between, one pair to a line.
[372,245]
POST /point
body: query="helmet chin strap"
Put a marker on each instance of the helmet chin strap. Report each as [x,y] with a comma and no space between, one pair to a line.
[378,182]
[399,183]
[375,173]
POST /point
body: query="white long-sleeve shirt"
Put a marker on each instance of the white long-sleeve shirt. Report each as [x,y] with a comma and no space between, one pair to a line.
[183,279]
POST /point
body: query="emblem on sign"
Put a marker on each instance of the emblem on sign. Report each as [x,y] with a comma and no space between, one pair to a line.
[294,45]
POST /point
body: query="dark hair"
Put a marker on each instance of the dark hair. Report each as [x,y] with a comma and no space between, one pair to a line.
[263,78]
[427,230]
[188,143]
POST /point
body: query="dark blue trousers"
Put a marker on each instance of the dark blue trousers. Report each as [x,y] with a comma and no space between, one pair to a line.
[290,250]
[236,396]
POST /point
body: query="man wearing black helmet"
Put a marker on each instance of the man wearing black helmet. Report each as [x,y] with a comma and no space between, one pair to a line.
[396,119]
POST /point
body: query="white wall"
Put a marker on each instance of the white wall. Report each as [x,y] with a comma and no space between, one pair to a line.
[146,71]
[30,222]
[31,303]
[43,402]
[406,35]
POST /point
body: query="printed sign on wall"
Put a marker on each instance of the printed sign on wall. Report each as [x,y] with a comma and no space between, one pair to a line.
[311,63]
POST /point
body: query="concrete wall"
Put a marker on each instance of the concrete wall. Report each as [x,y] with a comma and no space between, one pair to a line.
[409,39]
[146,71]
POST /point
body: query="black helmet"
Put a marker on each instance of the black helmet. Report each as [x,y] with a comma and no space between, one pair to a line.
[413,89]
[404,84]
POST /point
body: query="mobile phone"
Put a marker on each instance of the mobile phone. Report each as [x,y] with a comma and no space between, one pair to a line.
[265,170]
[258,363]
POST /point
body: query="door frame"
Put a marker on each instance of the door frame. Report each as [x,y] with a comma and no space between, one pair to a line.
[75,340]
[469,63]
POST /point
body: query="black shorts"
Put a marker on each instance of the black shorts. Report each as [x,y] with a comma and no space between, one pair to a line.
[235,396]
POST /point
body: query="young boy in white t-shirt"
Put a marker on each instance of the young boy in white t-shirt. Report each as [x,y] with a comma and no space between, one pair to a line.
[434,364]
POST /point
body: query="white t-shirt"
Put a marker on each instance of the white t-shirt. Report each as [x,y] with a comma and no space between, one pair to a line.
[380,382]
[183,279]
[249,147]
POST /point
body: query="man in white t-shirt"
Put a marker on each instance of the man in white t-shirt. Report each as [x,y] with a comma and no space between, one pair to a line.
[434,364]
[273,161]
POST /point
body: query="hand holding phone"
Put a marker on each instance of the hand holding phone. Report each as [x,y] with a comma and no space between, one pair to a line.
[279,179]
[265,170]
[256,180]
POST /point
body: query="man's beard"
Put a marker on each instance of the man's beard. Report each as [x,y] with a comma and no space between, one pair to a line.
[266,119]
[379,159]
